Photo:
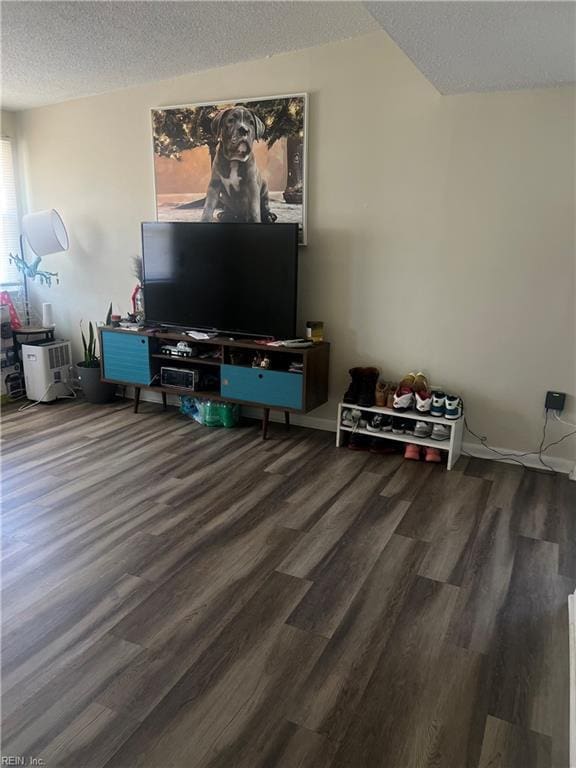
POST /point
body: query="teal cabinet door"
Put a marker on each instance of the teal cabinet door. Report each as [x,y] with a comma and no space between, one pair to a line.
[257,385]
[126,357]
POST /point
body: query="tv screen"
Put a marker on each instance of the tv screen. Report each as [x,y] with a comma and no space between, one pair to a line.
[235,278]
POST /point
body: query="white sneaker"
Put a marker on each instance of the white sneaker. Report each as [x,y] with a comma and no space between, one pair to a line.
[438,406]
[423,429]
[423,402]
[422,393]
[375,422]
[453,409]
[440,432]
[404,394]
[350,418]
[403,401]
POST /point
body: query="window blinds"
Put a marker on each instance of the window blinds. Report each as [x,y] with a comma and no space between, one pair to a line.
[9,224]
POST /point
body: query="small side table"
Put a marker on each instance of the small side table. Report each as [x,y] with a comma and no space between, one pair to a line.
[39,334]
[31,330]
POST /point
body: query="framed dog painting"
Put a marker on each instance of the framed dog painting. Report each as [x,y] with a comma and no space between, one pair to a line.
[236,160]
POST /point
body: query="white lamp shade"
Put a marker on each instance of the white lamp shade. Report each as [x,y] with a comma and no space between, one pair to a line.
[45,232]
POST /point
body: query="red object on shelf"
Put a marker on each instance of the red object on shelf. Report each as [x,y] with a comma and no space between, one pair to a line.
[6,301]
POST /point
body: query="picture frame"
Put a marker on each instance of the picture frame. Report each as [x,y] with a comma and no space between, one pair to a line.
[211,159]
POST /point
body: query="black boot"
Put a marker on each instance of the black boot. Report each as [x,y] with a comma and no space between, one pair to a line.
[368,381]
[353,392]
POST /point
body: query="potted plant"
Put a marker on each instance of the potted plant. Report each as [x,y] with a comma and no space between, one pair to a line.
[95,390]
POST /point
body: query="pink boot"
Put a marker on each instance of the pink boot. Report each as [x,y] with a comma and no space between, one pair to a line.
[412,452]
[433,455]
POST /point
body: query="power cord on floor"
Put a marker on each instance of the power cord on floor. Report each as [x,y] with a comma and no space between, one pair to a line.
[73,396]
[515,457]
[37,402]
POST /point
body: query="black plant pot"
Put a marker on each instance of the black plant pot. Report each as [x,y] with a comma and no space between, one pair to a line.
[95,391]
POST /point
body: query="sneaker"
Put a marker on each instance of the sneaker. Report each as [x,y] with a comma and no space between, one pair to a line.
[432,455]
[381,394]
[409,426]
[353,392]
[375,422]
[351,417]
[440,432]
[438,405]
[368,380]
[412,452]
[404,395]
[422,393]
[398,426]
[423,429]
[386,423]
[359,442]
[453,409]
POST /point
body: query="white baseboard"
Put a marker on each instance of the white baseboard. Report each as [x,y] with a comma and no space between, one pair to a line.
[301,420]
[564,466]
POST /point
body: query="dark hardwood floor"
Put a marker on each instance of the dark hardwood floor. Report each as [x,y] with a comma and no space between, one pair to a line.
[180,597]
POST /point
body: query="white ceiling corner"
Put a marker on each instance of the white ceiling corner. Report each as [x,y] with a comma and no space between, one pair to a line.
[484,46]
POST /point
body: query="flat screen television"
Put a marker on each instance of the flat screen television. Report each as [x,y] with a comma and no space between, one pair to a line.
[227,277]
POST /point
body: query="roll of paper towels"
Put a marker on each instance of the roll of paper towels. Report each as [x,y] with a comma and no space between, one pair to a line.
[47,315]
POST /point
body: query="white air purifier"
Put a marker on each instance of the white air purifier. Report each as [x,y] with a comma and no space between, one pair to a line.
[47,370]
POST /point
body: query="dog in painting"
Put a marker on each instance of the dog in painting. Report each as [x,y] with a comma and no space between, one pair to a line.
[236,185]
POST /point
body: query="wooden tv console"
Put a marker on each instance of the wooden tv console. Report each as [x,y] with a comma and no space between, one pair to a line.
[135,358]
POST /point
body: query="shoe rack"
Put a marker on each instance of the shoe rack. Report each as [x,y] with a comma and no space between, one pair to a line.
[453,445]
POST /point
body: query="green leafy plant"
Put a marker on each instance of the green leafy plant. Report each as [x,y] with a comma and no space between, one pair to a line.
[91,359]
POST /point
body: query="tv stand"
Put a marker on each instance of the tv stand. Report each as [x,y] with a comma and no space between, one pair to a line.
[295,382]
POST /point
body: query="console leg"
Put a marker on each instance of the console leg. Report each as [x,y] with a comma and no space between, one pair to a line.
[136,399]
[265,420]
[287,419]
[164,401]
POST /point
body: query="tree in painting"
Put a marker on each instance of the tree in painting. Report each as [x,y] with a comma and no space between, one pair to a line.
[180,129]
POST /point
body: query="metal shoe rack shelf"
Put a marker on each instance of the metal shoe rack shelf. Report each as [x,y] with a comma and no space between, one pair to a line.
[453,445]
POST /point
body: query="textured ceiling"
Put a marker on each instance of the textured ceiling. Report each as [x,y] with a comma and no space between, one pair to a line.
[485,46]
[54,51]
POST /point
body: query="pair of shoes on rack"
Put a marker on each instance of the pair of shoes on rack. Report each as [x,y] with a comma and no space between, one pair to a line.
[384,394]
[448,406]
[354,418]
[351,418]
[403,426]
[435,431]
[362,388]
[431,455]
[413,392]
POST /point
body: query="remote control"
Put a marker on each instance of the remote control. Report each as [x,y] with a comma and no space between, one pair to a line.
[297,343]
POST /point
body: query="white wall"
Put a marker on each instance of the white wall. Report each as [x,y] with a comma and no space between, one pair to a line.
[8,122]
[440,228]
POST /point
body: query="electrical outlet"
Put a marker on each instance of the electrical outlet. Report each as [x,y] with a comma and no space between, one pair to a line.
[555,401]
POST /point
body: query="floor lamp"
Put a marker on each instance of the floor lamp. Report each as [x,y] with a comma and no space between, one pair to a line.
[45,233]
